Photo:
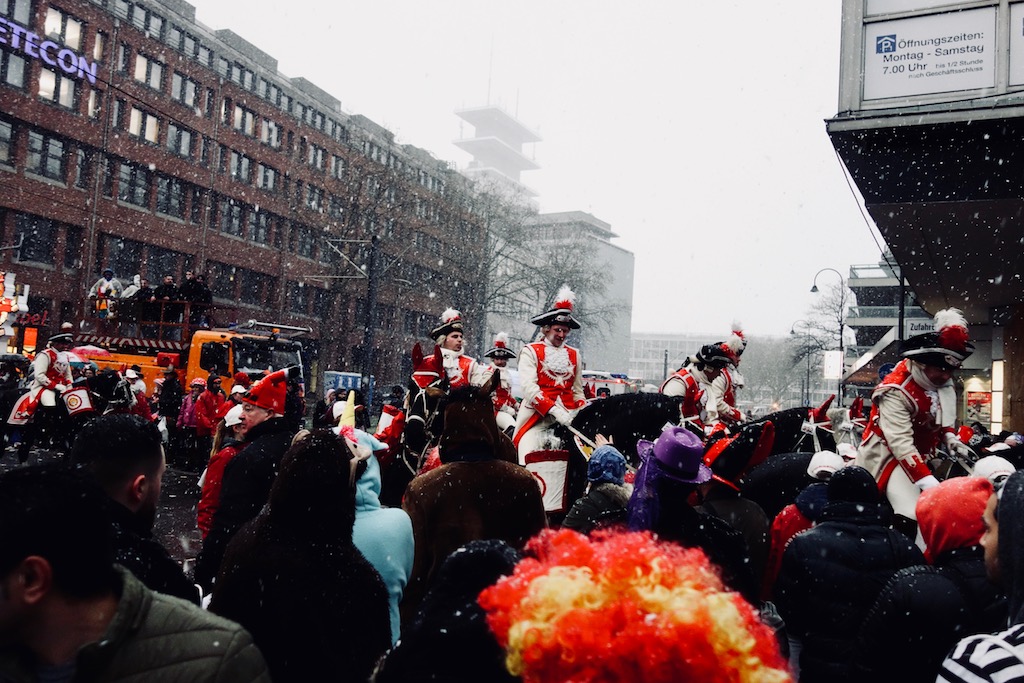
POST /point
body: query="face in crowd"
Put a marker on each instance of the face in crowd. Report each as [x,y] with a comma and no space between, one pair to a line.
[453,342]
[556,334]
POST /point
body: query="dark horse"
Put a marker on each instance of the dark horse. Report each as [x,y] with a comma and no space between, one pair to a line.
[428,397]
[108,392]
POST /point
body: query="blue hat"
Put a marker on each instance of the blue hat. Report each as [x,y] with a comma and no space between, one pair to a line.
[606,466]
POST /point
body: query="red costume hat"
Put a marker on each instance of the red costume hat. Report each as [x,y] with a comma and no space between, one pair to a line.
[500,348]
[451,321]
[269,392]
[561,312]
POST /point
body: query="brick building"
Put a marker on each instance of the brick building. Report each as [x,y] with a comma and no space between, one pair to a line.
[133,137]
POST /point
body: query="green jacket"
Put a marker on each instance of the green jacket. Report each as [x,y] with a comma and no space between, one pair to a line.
[156,637]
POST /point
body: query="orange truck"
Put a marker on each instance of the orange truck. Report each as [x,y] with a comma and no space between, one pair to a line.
[253,348]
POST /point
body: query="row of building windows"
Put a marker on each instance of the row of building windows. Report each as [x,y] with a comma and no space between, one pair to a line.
[151,71]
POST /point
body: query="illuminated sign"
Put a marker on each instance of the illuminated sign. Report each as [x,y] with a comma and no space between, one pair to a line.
[832,365]
[32,45]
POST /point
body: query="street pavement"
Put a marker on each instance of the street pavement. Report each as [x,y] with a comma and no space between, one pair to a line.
[176,515]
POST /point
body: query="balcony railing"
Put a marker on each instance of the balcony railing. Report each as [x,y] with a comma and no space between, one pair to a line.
[862,312]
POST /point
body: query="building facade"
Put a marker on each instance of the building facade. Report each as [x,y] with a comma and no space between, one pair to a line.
[136,138]
[928,126]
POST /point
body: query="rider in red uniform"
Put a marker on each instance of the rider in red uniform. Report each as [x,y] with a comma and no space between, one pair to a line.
[461,369]
[51,376]
[550,372]
[505,404]
[723,388]
[693,383]
[913,410]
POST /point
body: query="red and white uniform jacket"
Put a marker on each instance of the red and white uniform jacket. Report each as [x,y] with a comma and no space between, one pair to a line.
[549,375]
[50,368]
[503,399]
[906,423]
[462,370]
[723,393]
[692,385]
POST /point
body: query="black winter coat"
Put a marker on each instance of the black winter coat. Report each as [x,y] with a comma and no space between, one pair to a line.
[604,505]
[244,491]
[137,551]
[831,575]
[170,400]
[920,615]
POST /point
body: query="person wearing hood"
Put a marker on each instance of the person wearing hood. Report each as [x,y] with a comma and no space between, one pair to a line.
[383,535]
[1000,656]
[924,610]
[832,573]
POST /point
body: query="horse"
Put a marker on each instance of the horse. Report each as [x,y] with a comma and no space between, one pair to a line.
[106,392]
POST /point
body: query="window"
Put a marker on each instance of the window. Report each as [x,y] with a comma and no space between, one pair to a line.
[183,41]
[19,10]
[230,217]
[38,237]
[197,201]
[170,196]
[314,197]
[259,226]
[133,185]
[149,71]
[257,289]
[83,162]
[205,56]
[46,155]
[99,46]
[338,167]
[116,114]
[57,88]
[184,89]
[240,167]
[94,107]
[6,142]
[179,140]
[266,177]
[145,20]
[303,241]
[12,69]
[336,207]
[123,57]
[270,133]
[73,247]
[144,125]
[63,28]
[316,156]
[297,298]
[205,150]
[244,120]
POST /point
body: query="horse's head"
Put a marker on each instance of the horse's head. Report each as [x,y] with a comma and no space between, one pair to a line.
[109,390]
[428,384]
[467,424]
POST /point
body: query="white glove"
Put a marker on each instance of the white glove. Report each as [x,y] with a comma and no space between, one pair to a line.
[60,388]
[955,445]
[926,483]
[742,417]
[561,415]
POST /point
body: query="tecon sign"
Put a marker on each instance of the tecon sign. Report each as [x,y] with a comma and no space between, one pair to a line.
[14,37]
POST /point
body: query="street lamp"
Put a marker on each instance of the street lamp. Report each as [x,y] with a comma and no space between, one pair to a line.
[841,316]
[807,355]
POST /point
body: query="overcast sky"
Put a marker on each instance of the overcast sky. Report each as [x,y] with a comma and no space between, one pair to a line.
[695,129]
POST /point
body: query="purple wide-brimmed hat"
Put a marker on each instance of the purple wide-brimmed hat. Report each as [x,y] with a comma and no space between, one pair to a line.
[678,453]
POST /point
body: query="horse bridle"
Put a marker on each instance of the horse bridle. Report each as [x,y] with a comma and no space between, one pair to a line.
[428,418]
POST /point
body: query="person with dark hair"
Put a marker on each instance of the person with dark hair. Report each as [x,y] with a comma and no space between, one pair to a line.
[250,474]
[832,574]
[169,406]
[293,577]
[449,640]
[67,612]
[125,455]
[989,658]
[208,407]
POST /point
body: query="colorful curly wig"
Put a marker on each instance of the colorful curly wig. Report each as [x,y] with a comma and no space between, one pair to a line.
[621,606]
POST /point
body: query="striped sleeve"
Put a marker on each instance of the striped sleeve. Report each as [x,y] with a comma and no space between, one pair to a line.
[986,659]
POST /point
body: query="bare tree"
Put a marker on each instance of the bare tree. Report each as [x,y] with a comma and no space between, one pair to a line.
[769,371]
